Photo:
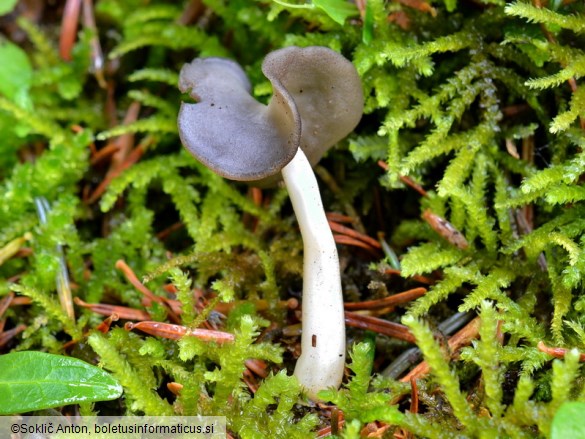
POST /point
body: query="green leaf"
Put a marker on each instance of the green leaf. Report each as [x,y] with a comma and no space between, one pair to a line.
[368,29]
[568,421]
[7,6]
[338,10]
[37,380]
[15,74]
[450,5]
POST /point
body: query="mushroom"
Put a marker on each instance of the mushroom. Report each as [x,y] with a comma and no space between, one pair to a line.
[317,100]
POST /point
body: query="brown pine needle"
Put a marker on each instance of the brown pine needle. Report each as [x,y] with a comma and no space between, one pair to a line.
[6,336]
[348,240]
[354,234]
[133,157]
[149,295]
[133,279]
[122,312]
[406,180]
[5,303]
[175,332]
[339,217]
[445,229]
[390,301]
[104,326]
[462,338]
[381,326]
[259,367]
[556,352]
[69,24]
[104,153]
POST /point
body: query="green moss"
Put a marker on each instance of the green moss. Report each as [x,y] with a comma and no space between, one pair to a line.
[482,103]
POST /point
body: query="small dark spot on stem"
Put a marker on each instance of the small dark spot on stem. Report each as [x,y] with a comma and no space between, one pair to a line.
[314,340]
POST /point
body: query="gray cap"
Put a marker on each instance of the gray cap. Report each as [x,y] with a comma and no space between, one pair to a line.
[317,100]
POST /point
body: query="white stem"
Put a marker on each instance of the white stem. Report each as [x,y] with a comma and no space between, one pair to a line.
[323,339]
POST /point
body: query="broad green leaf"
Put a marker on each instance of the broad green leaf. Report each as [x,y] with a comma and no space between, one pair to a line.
[450,5]
[15,74]
[338,10]
[568,421]
[37,380]
[7,6]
